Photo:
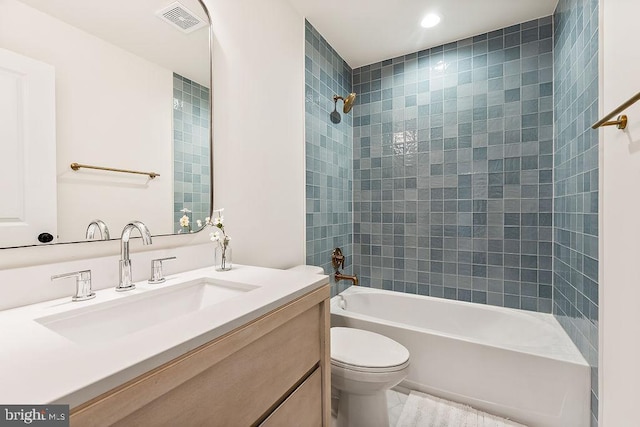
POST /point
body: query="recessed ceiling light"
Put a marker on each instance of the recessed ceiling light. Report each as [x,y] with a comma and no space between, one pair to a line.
[431,20]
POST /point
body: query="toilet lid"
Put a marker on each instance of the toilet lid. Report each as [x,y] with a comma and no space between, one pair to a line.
[365,350]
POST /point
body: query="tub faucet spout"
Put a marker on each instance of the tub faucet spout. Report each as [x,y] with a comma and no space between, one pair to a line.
[339,276]
[125,263]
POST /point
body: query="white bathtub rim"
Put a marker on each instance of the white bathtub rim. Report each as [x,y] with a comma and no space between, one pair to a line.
[564,357]
[568,353]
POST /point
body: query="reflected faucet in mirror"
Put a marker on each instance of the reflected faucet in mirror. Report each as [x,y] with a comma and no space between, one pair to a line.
[100,226]
[125,283]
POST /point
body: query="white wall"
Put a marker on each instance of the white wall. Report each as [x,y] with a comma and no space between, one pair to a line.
[113,109]
[619,217]
[259,167]
[23,286]
[259,141]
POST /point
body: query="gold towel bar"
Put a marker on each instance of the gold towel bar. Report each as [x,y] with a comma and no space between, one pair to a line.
[76,166]
[621,122]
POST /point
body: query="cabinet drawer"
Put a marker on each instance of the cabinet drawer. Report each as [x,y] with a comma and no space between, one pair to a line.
[242,387]
[303,408]
[232,381]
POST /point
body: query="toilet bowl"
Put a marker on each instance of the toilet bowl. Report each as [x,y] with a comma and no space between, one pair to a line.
[364,365]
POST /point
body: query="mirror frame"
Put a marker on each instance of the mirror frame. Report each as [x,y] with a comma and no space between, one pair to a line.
[211,198]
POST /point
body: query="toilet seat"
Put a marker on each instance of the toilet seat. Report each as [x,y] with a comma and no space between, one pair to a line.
[369,370]
[365,351]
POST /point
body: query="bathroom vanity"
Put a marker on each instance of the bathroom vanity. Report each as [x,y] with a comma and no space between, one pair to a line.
[260,356]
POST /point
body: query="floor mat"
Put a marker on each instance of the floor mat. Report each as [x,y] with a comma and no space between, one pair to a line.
[423,410]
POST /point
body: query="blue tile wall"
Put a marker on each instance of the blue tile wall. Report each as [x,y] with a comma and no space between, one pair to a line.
[575,277]
[453,157]
[191,151]
[329,154]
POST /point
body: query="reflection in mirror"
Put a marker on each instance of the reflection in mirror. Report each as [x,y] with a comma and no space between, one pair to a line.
[114,84]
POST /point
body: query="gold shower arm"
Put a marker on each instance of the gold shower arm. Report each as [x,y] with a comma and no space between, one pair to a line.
[76,166]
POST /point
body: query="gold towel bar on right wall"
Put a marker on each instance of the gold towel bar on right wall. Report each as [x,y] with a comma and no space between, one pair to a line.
[621,122]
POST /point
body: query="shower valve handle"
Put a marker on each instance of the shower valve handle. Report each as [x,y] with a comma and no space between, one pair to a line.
[337,259]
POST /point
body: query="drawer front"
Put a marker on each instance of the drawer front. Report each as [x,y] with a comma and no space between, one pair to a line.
[244,386]
[303,408]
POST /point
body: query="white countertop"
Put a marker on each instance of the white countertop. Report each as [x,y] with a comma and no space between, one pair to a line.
[39,366]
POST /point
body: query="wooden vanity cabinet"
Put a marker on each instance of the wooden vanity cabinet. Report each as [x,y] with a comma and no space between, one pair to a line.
[273,371]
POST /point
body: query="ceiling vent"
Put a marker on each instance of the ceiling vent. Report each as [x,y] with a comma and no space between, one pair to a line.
[181,18]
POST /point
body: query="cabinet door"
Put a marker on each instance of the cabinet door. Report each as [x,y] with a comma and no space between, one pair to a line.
[303,408]
[27,150]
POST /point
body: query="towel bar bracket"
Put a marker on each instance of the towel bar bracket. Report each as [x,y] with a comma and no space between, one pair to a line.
[620,123]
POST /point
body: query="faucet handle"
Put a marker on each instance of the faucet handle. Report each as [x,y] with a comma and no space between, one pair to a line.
[157,275]
[83,284]
[337,259]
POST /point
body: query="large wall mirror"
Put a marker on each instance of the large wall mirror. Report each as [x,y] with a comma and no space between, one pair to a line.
[115,84]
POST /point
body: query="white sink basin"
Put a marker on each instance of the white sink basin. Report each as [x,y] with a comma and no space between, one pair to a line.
[113,319]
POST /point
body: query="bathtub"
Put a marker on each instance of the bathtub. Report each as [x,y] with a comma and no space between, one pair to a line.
[517,364]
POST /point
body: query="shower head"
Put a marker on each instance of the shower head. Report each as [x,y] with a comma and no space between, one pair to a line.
[348,101]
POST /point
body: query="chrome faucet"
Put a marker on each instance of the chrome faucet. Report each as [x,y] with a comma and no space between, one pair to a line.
[125,263]
[97,225]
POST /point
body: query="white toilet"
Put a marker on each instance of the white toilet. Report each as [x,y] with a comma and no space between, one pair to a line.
[364,365]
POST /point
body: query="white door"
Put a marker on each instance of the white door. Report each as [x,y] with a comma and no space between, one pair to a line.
[27,150]
[620,218]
